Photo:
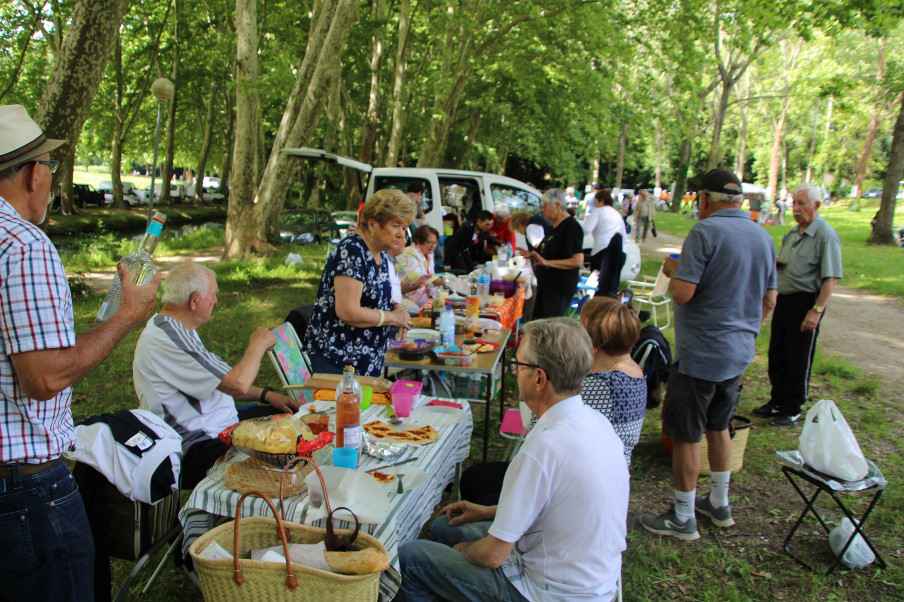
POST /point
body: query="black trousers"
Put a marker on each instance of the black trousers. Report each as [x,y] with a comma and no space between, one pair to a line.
[552,302]
[609,262]
[791,353]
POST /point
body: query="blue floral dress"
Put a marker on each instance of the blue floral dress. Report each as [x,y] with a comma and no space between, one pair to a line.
[335,340]
[620,398]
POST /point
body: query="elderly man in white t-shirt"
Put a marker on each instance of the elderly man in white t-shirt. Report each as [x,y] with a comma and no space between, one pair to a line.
[558,531]
[192,389]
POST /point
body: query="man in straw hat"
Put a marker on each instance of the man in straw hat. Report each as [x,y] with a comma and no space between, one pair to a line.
[46,551]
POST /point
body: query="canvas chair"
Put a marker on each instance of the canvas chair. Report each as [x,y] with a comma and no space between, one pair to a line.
[291,363]
[655,295]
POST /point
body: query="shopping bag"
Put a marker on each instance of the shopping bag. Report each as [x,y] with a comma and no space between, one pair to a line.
[828,444]
[858,555]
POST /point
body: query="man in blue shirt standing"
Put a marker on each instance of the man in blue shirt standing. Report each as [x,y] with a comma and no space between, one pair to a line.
[725,286]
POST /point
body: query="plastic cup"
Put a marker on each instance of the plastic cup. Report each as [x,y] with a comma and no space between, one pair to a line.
[401,405]
[367,395]
[346,457]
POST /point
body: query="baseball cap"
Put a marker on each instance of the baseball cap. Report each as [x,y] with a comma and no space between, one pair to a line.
[21,139]
[720,180]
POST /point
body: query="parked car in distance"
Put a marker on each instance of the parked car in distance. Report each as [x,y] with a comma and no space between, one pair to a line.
[211,182]
[873,193]
[85,195]
[129,193]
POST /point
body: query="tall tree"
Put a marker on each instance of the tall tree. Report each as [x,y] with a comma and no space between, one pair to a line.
[251,216]
[374,100]
[76,74]
[166,174]
[398,85]
[873,127]
[881,232]
[790,52]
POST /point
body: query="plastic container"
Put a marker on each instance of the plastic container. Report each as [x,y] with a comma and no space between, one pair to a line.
[447,327]
[346,457]
[506,287]
[367,395]
[404,393]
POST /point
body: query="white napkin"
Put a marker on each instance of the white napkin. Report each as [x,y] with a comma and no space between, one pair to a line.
[215,551]
[311,555]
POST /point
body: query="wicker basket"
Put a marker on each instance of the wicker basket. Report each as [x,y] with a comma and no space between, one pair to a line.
[250,580]
[740,432]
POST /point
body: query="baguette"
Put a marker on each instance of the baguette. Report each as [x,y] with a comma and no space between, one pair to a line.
[362,562]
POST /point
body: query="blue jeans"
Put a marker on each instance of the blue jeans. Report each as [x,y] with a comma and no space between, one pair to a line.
[432,570]
[46,550]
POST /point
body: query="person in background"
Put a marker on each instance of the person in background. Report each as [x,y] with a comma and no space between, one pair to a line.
[46,548]
[607,227]
[472,244]
[809,267]
[616,386]
[502,226]
[558,531]
[644,214]
[192,389]
[558,260]
[415,265]
[724,287]
[353,317]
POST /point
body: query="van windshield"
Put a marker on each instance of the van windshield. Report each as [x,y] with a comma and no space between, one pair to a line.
[515,198]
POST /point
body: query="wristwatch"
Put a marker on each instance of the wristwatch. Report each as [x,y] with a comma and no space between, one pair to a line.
[819,309]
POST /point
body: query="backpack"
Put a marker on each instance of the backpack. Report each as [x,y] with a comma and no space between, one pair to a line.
[653,354]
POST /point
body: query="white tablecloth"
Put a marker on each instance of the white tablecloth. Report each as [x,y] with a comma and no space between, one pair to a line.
[211,503]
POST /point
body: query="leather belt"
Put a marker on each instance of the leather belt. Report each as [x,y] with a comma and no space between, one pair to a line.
[26,470]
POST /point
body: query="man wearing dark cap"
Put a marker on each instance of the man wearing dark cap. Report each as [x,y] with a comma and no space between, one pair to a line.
[724,285]
[46,551]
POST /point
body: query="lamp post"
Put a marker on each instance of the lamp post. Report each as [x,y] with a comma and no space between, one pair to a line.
[164,91]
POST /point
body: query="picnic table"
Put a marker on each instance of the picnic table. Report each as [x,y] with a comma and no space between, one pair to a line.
[484,364]
[211,503]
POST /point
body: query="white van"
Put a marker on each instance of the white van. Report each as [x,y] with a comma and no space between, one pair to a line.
[445,190]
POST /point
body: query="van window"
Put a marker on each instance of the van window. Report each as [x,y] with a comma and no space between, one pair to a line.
[402,183]
[517,199]
[461,196]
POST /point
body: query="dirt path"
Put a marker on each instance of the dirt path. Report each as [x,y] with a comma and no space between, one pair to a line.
[101,280]
[861,327]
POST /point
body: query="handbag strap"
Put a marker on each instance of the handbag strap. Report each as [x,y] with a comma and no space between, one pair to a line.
[291,579]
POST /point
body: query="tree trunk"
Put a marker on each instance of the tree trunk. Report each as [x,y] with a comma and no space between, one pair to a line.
[229,138]
[620,159]
[721,111]
[321,64]
[243,223]
[67,206]
[881,233]
[372,117]
[871,130]
[775,158]
[398,86]
[77,72]
[166,176]
[684,163]
[657,153]
[470,155]
[741,159]
[116,146]
[205,144]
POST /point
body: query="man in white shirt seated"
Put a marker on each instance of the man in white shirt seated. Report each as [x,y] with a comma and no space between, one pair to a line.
[177,378]
[559,529]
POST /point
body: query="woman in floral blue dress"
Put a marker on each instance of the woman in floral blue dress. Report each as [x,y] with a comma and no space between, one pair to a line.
[616,385]
[353,317]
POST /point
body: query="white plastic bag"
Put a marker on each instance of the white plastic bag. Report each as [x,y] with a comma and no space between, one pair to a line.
[858,555]
[828,444]
[632,260]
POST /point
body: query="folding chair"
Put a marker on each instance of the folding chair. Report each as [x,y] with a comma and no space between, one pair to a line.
[655,295]
[873,485]
[292,365]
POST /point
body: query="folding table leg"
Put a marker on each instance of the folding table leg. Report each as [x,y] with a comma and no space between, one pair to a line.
[486,417]
[808,507]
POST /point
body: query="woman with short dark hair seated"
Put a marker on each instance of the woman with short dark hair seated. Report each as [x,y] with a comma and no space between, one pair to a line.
[616,385]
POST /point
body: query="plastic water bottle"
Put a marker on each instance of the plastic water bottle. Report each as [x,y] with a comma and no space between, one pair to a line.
[447,327]
[483,283]
[139,265]
[505,253]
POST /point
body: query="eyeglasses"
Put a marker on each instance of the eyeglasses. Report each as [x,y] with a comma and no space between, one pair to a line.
[52,164]
[518,364]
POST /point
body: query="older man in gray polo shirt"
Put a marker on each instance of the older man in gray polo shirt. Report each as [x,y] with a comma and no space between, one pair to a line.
[724,285]
[809,266]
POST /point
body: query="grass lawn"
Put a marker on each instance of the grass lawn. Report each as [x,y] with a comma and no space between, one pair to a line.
[878,269]
[742,563]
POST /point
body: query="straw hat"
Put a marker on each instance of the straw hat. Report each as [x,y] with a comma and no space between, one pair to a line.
[21,139]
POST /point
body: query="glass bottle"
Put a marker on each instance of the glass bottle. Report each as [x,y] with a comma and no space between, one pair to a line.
[348,410]
[139,264]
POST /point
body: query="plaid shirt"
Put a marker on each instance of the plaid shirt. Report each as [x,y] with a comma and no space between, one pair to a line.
[35,314]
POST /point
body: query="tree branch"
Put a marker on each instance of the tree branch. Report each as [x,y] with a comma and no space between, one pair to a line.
[21,61]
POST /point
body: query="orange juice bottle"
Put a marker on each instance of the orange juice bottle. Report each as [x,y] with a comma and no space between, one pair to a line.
[348,411]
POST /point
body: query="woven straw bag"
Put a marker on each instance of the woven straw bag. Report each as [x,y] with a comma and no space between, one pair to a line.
[242,579]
